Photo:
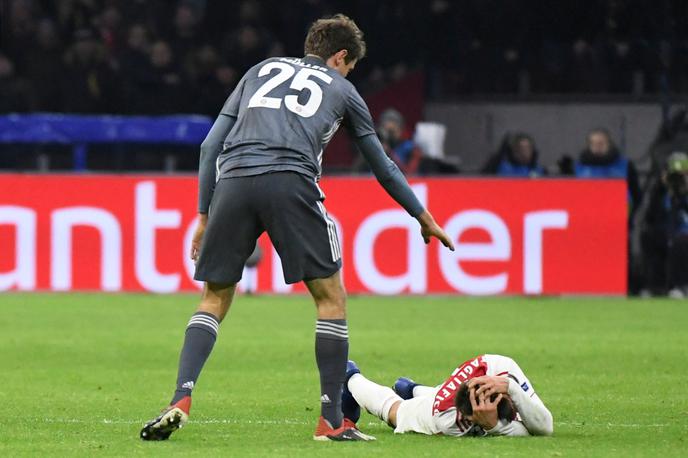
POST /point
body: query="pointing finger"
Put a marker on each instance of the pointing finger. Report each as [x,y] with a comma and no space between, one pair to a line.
[446,241]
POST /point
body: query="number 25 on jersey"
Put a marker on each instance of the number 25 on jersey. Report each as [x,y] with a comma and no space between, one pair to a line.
[300,82]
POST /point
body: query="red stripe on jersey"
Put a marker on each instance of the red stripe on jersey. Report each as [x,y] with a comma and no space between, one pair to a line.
[446,395]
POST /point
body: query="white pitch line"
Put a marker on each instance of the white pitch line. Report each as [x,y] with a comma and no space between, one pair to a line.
[226,421]
[616,425]
[108,421]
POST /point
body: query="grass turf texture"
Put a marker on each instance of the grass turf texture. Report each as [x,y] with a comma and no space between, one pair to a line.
[82,372]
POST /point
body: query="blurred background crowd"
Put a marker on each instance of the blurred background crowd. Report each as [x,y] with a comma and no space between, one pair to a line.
[161,57]
[165,56]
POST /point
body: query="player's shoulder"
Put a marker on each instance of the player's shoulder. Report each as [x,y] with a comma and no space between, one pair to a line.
[256,68]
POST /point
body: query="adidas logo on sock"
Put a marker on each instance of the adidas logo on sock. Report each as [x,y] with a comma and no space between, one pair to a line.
[188,385]
[325,399]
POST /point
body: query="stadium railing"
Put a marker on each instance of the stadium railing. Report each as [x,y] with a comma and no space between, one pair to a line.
[80,131]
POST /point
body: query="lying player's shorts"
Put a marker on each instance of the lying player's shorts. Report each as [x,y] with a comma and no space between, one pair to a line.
[289,206]
[415,415]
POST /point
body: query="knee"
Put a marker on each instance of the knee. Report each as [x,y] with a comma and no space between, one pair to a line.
[332,306]
[216,300]
[392,416]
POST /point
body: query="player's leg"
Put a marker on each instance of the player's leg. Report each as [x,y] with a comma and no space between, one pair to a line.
[410,415]
[378,400]
[200,336]
[404,415]
[408,388]
[331,343]
[228,241]
[199,339]
[306,239]
[422,390]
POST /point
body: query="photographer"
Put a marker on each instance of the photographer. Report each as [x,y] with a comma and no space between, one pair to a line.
[401,149]
[665,238]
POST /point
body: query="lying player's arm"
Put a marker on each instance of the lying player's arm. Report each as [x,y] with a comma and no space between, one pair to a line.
[508,428]
[394,182]
[485,414]
[536,419]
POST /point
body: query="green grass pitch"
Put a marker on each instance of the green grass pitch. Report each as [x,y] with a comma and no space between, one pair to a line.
[82,372]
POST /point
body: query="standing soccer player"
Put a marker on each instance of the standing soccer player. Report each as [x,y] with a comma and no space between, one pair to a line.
[259,169]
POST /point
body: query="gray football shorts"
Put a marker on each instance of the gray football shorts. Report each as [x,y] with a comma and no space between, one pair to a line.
[286,205]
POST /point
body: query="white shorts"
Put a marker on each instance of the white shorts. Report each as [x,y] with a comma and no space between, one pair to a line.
[415,415]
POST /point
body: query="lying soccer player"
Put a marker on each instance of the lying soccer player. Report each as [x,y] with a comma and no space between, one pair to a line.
[486,395]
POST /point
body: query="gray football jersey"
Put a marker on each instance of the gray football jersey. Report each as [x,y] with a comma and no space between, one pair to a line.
[287,110]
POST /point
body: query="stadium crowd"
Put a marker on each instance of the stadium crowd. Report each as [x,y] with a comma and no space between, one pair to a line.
[168,56]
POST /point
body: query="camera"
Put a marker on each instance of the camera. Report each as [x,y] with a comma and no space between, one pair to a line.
[677,183]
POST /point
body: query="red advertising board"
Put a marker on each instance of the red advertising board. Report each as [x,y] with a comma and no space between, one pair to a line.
[132,233]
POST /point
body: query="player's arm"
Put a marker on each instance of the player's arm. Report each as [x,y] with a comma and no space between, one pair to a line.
[508,428]
[535,416]
[360,126]
[485,415]
[394,182]
[210,150]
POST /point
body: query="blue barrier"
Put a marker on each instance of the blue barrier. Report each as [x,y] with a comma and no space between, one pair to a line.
[82,130]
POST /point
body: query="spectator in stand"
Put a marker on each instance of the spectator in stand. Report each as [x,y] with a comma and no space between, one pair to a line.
[185,37]
[163,86]
[213,81]
[586,72]
[42,61]
[622,64]
[245,47]
[109,25]
[603,159]
[517,157]
[397,143]
[89,83]
[133,61]
[15,94]
[665,236]
[17,30]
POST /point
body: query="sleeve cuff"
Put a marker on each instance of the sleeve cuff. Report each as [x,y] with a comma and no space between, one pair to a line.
[499,427]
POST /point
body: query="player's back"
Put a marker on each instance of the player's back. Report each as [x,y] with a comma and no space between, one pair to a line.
[287,110]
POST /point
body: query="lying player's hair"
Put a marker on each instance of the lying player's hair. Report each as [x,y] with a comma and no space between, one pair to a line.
[505,408]
[328,36]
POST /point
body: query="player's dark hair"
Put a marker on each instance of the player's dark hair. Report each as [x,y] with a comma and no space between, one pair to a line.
[327,36]
[505,408]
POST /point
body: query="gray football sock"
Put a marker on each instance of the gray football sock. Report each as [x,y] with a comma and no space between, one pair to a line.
[201,333]
[331,353]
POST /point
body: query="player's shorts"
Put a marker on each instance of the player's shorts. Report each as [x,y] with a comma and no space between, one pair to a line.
[286,205]
[415,415]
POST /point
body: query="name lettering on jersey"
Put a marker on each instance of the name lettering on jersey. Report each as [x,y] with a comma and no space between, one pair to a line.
[444,399]
[301,63]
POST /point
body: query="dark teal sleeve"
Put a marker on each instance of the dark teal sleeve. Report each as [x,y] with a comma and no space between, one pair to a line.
[210,150]
[388,174]
[357,119]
